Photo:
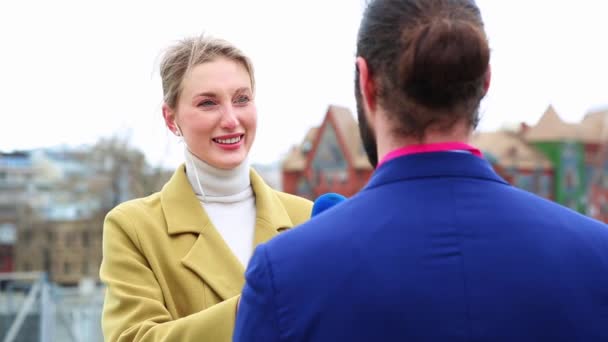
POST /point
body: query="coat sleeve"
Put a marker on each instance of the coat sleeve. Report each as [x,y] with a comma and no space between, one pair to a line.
[134,309]
[257,318]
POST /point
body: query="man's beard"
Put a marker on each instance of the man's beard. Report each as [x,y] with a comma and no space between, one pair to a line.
[367,135]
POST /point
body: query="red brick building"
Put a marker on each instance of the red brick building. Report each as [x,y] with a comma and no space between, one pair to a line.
[6,258]
[7,245]
[331,158]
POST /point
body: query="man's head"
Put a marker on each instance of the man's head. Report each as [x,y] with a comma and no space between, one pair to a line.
[423,65]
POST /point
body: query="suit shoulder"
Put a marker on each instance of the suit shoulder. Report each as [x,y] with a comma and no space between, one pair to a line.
[593,226]
[298,208]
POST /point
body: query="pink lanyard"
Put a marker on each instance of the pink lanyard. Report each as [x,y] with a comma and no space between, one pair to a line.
[425,148]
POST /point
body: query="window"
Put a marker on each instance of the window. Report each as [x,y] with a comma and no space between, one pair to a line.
[544,186]
[86,241]
[26,237]
[524,182]
[306,147]
[69,239]
[343,176]
[604,209]
[5,255]
[303,188]
[46,260]
[571,178]
[329,155]
[66,268]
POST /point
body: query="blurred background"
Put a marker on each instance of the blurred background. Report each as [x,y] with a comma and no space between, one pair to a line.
[82,130]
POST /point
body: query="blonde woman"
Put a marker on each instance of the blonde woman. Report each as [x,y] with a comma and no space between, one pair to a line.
[173,262]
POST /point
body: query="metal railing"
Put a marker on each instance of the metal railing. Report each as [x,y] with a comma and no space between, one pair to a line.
[35,310]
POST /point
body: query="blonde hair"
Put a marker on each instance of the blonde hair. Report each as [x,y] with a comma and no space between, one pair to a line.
[187,53]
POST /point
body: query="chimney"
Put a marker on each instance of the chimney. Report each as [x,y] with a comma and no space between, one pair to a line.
[523,128]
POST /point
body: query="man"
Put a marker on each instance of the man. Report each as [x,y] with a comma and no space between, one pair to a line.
[437,247]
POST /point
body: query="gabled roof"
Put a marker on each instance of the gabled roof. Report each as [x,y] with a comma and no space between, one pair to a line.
[296,158]
[509,150]
[551,127]
[594,127]
[346,126]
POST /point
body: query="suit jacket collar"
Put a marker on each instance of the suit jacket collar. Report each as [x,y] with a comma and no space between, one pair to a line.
[210,257]
[431,165]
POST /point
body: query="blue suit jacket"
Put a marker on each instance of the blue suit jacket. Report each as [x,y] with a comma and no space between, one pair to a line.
[436,247]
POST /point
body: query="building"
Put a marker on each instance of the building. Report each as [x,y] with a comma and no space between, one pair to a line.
[53,202]
[565,162]
[517,162]
[50,204]
[8,238]
[68,249]
[563,144]
[331,158]
[561,161]
[16,174]
[595,139]
[578,153]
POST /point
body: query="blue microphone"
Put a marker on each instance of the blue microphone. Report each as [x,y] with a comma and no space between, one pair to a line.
[325,202]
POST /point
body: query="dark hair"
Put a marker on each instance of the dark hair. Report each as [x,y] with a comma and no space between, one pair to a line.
[429,59]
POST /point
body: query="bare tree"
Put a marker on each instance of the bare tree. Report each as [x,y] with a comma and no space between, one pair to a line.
[125,169]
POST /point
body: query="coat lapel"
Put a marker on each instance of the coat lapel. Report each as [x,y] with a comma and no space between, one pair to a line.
[271,216]
[210,258]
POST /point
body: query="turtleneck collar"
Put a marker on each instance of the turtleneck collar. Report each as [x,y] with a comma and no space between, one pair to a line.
[218,184]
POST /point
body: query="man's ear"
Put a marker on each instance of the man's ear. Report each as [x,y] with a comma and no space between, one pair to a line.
[487,79]
[367,85]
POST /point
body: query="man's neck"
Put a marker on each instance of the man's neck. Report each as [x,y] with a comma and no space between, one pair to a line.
[387,141]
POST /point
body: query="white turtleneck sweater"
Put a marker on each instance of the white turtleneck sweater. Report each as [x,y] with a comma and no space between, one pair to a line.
[228,200]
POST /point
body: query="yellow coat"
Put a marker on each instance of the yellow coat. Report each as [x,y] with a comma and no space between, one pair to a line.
[169,274]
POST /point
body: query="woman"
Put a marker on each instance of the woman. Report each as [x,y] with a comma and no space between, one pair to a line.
[174,261]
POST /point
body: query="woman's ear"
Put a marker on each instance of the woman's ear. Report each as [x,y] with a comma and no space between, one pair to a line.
[169,116]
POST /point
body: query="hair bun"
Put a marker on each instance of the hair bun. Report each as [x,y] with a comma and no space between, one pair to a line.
[443,62]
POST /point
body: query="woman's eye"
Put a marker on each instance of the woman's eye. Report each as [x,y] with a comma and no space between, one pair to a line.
[206,103]
[242,99]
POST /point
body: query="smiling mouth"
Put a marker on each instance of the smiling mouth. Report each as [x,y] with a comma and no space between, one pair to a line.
[229,141]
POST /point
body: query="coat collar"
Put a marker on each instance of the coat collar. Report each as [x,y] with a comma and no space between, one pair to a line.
[434,164]
[210,257]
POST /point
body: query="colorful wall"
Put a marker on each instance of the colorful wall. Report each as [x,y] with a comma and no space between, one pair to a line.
[568,159]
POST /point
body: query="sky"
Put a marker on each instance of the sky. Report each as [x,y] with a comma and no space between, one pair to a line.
[74,71]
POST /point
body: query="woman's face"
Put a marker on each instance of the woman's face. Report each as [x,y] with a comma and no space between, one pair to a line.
[216,113]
